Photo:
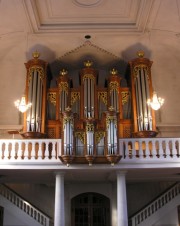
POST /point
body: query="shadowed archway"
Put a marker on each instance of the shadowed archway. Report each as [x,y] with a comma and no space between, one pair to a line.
[90,209]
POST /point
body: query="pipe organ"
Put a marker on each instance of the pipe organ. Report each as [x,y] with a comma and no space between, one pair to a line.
[36,89]
[89,118]
[141,86]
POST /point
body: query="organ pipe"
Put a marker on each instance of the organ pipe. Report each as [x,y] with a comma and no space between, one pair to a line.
[89,95]
[114,86]
[88,80]
[89,138]
[68,132]
[36,94]
[111,129]
[63,84]
[141,84]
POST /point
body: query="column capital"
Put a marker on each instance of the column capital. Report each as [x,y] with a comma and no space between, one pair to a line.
[121,172]
[60,173]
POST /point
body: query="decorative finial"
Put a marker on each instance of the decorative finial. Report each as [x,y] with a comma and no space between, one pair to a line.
[88,63]
[36,55]
[140,54]
[114,71]
[63,72]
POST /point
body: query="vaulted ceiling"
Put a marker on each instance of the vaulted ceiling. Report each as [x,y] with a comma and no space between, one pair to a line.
[109,32]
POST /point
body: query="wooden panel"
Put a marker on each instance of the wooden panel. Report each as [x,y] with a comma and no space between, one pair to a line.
[53,129]
[125,128]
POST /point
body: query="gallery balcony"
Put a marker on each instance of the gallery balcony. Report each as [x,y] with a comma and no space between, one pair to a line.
[131,153]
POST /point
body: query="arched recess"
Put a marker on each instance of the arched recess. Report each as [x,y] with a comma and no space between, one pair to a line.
[90,209]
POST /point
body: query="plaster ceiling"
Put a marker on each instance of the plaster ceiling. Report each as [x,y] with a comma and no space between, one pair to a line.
[78,15]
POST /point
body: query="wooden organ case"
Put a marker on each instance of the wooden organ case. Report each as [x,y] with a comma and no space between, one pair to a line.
[141,87]
[36,89]
[89,118]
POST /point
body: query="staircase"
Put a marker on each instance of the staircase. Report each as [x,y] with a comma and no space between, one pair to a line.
[20,207]
[158,208]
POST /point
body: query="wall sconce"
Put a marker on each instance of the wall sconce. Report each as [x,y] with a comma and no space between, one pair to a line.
[156,101]
[21,104]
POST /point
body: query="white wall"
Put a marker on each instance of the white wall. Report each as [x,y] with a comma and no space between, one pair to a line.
[170,219]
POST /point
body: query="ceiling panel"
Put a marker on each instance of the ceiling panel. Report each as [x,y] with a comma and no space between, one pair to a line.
[96,15]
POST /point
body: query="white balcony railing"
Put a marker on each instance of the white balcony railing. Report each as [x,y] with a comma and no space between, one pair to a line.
[26,207]
[150,149]
[30,150]
[49,150]
[152,208]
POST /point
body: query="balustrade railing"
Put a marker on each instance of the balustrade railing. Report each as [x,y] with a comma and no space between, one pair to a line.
[155,205]
[26,149]
[150,148]
[24,205]
[131,149]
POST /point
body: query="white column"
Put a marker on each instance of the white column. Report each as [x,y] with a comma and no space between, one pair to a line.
[122,216]
[59,200]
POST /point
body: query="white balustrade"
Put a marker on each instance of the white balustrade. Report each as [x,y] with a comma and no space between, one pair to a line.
[30,150]
[156,205]
[150,149]
[131,149]
[24,205]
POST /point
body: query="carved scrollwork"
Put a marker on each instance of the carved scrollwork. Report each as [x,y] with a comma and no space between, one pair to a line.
[114,86]
[89,127]
[103,96]
[74,97]
[51,96]
[88,76]
[63,86]
[80,136]
[67,119]
[140,67]
[125,96]
[109,119]
[98,136]
[38,69]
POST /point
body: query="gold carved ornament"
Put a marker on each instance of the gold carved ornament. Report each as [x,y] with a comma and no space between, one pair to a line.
[67,119]
[89,127]
[36,55]
[109,119]
[88,76]
[74,97]
[63,86]
[98,136]
[103,96]
[125,96]
[38,69]
[88,63]
[80,136]
[114,71]
[51,96]
[138,68]
[114,86]
[63,72]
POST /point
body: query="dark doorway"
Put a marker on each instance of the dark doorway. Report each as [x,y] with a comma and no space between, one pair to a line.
[90,209]
[1,215]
